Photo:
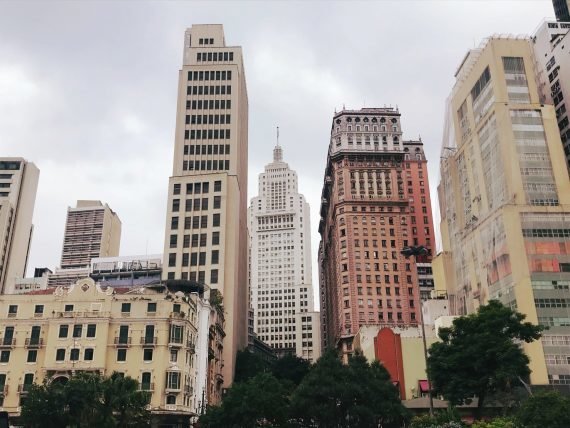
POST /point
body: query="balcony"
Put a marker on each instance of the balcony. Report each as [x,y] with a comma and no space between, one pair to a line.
[34,342]
[171,407]
[7,343]
[24,388]
[146,386]
[123,341]
[172,388]
[188,390]
[192,347]
[175,342]
[177,315]
[149,340]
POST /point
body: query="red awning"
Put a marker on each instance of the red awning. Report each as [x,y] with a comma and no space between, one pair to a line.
[424,386]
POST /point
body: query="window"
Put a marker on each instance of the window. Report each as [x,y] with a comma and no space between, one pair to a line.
[171,261]
[123,334]
[215,257]
[121,355]
[171,399]
[217,186]
[12,310]
[151,307]
[39,309]
[91,330]
[147,354]
[60,354]
[125,307]
[176,189]
[173,355]
[68,308]
[172,380]
[217,202]
[174,223]
[4,356]
[77,330]
[74,354]
[88,354]
[145,381]
[215,238]
[214,276]
[176,308]
[32,356]
[176,333]
[63,331]
[216,220]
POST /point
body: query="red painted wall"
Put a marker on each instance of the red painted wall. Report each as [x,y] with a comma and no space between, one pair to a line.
[388,350]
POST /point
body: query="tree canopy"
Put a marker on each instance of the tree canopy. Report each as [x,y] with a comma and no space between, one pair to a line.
[289,392]
[479,356]
[87,400]
[545,409]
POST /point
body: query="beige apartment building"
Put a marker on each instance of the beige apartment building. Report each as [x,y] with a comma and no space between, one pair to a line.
[92,229]
[18,187]
[148,333]
[206,232]
[504,198]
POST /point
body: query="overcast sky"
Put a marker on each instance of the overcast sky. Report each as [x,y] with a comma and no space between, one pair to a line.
[88,90]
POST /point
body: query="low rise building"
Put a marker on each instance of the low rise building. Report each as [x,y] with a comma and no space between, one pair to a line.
[148,333]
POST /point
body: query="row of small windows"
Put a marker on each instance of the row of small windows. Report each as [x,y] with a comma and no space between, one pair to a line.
[208,104]
[214,56]
[546,233]
[209,90]
[210,165]
[197,276]
[208,119]
[366,120]
[197,188]
[207,149]
[209,75]
[188,221]
[197,203]
[194,259]
[208,134]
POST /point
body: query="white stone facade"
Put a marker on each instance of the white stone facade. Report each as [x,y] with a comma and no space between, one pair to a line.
[280,257]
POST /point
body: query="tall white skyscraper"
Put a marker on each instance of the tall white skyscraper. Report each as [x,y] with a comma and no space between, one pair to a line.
[280,271]
[206,230]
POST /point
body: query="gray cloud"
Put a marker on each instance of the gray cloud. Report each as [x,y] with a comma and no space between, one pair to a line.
[88,90]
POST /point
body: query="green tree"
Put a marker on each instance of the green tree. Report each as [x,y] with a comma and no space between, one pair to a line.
[357,395]
[290,369]
[258,402]
[248,365]
[545,409]
[478,355]
[87,400]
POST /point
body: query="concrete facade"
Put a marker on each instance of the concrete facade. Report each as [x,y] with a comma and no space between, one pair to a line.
[375,202]
[18,187]
[553,74]
[206,231]
[92,229]
[504,199]
[280,263]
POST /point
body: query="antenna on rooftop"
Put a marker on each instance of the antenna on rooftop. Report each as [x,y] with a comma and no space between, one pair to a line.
[277,135]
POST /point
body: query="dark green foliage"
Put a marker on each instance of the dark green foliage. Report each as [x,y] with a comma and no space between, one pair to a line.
[477,356]
[357,395]
[259,401]
[87,400]
[545,409]
[248,365]
[290,393]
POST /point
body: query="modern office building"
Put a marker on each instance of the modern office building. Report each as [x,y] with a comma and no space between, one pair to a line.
[92,229]
[206,231]
[280,262]
[375,201]
[167,339]
[18,187]
[504,199]
[562,10]
[553,73]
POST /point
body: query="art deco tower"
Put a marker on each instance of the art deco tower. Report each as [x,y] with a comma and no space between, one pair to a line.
[206,230]
[280,272]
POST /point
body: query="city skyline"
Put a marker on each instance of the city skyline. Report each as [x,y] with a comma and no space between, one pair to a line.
[104,129]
